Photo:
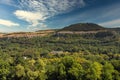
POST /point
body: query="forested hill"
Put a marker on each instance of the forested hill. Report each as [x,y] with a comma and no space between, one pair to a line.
[83,27]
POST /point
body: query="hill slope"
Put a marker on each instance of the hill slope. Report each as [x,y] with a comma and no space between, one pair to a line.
[27,34]
[83,27]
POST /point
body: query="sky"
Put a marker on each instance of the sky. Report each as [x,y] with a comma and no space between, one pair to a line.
[33,15]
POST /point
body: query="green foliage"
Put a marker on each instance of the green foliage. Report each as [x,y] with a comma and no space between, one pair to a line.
[60,57]
[61,72]
[108,70]
[75,66]
[4,69]
[19,71]
[95,71]
[76,72]
[32,75]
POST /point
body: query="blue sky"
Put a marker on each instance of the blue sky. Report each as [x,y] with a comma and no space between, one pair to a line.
[32,15]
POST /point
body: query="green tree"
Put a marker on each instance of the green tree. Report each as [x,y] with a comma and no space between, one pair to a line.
[107,71]
[19,72]
[32,75]
[40,66]
[61,72]
[94,71]
[4,69]
[116,75]
[76,72]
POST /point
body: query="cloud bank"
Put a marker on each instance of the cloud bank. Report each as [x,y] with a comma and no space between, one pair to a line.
[8,23]
[112,23]
[36,12]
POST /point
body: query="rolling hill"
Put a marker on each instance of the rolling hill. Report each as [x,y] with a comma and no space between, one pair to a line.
[83,27]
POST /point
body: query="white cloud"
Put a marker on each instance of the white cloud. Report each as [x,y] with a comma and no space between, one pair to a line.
[113,23]
[37,11]
[49,7]
[8,23]
[31,17]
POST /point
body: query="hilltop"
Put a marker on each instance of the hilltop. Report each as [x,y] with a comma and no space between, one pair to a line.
[83,27]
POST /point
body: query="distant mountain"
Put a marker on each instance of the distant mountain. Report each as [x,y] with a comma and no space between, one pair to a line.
[114,29]
[83,27]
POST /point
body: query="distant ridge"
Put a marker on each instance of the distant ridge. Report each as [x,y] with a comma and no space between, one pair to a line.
[117,29]
[79,28]
[83,27]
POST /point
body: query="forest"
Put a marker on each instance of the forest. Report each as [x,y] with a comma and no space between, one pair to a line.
[61,57]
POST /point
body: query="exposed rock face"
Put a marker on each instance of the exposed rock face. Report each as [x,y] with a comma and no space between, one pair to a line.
[77,32]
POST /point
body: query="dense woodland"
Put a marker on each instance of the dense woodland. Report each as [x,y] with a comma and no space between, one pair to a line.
[61,57]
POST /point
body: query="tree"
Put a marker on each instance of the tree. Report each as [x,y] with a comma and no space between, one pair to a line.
[67,62]
[76,72]
[40,66]
[32,75]
[94,71]
[4,70]
[116,75]
[61,72]
[19,72]
[107,71]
